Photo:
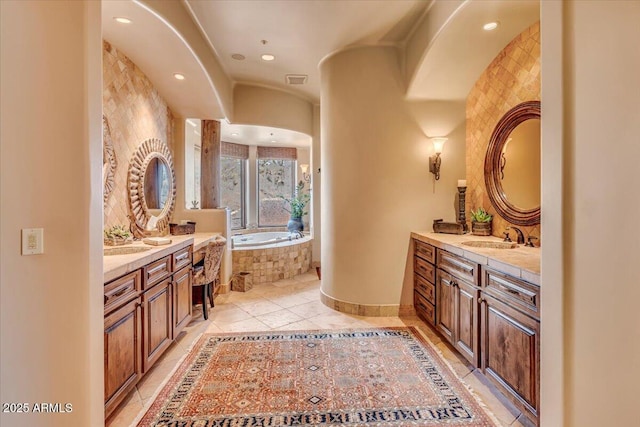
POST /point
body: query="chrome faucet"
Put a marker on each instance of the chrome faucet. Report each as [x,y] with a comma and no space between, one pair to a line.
[520,239]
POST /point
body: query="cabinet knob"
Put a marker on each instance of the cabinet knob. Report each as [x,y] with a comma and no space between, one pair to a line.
[481,300]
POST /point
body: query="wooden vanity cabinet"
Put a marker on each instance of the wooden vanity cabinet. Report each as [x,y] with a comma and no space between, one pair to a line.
[144,312]
[424,295]
[122,353]
[491,318]
[510,330]
[181,299]
[457,314]
[157,325]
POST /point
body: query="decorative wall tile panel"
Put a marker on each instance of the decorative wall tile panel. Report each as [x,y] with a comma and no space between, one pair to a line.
[136,112]
[513,77]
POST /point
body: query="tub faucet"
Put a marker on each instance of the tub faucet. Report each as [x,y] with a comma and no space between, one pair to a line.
[519,233]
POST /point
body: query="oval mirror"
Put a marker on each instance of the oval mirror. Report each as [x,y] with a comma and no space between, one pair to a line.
[151,184]
[156,184]
[512,165]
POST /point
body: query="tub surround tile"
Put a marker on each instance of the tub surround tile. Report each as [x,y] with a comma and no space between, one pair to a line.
[267,264]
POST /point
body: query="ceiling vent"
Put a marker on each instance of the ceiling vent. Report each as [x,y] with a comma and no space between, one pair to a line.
[296,79]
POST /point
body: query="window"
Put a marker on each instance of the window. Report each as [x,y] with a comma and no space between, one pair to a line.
[276,179]
[233,162]
[232,173]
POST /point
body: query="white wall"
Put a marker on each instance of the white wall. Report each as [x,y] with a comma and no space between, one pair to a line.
[376,185]
[51,308]
[590,279]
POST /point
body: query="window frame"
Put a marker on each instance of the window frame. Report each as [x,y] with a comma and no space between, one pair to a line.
[294,167]
[243,192]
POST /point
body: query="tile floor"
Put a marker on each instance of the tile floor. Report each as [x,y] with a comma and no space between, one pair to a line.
[293,304]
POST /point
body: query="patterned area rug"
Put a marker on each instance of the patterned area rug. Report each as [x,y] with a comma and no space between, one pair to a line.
[365,377]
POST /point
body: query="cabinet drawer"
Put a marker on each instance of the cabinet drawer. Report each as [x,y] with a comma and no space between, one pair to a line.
[459,267]
[181,258]
[121,290]
[519,294]
[425,251]
[424,308]
[156,271]
[428,290]
[423,268]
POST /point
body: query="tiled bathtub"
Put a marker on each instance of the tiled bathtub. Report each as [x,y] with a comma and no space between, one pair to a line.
[271,262]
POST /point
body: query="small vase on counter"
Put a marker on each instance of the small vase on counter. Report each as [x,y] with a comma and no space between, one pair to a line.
[481,228]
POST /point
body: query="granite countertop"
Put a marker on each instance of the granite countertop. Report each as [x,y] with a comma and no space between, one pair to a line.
[523,262]
[115,266]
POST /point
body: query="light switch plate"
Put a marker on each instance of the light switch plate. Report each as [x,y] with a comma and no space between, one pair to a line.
[32,241]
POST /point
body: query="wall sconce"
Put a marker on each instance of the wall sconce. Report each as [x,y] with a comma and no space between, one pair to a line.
[434,161]
[307,177]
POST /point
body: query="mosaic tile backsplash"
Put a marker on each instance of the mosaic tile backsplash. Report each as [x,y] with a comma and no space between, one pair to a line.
[136,112]
[511,78]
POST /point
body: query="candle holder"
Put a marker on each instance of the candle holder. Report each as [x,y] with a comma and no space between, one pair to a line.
[462,218]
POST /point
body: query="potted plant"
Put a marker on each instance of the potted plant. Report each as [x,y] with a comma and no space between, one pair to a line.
[297,203]
[481,222]
[116,235]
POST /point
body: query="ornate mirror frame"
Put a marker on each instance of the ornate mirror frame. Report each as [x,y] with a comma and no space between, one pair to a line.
[138,209]
[515,116]
[109,162]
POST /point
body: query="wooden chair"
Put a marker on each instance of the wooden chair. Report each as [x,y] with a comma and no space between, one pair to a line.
[204,275]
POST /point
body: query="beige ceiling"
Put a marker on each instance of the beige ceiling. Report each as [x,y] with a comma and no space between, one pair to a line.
[160,52]
[300,34]
[462,50]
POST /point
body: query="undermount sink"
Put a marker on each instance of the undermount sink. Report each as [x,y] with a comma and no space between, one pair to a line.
[124,250]
[491,245]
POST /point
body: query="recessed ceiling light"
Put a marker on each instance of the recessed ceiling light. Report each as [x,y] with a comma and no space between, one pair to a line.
[238,56]
[490,26]
[179,76]
[234,134]
[122,20]
[273,140]
[268,57]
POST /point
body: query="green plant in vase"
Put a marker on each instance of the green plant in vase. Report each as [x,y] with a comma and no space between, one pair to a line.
[296,207]
[481,222]
[116,235]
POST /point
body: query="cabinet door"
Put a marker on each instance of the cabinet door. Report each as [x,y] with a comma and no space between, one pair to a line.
[157,325]
[511,353]
[466,318]
[445,307]
[181,300]
[122,353]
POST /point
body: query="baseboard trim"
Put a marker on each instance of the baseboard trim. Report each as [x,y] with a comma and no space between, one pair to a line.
[370,310]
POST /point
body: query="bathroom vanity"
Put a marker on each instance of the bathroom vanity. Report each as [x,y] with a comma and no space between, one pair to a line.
[147,302]
[485,301]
